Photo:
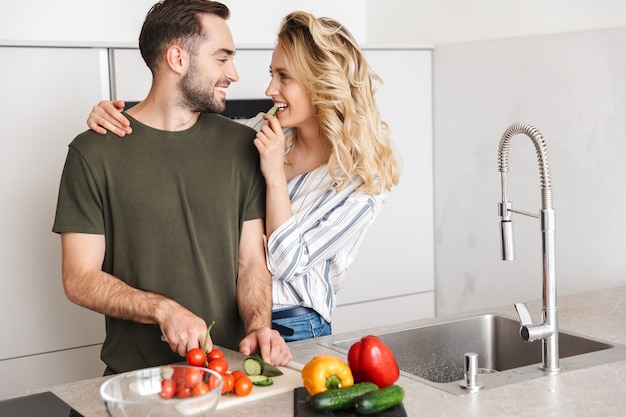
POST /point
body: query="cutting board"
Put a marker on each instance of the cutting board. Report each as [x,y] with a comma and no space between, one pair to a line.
[291,379]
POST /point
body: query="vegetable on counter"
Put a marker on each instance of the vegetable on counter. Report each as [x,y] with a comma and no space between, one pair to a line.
[261,380]
[371,360]
[325,372]
[340,398]
[254,365]
[376,401]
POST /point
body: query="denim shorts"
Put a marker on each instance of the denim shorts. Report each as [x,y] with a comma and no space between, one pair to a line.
[305,326]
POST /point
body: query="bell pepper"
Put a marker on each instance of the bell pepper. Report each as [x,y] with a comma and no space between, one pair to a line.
[326,372]
[371,360]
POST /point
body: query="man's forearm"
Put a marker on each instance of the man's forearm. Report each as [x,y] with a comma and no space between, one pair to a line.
[254,297]
[108,295]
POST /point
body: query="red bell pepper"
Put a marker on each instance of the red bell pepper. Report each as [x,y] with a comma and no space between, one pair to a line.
[371,360]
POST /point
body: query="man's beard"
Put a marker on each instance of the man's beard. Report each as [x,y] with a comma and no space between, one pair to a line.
[195,95]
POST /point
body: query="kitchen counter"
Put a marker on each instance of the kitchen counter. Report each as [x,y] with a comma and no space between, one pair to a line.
[597,391]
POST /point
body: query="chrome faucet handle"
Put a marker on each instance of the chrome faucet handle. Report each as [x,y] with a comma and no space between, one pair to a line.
[523,314]
[529,331]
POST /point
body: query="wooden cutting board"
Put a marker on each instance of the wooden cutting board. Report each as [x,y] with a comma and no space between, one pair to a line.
[291,379]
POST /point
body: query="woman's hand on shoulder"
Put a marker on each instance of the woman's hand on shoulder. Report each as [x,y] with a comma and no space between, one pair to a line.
[107,115]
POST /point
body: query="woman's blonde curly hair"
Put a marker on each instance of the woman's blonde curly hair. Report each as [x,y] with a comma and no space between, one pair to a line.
[324,56]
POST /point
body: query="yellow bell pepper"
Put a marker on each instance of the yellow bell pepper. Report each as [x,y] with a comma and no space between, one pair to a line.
[325,372]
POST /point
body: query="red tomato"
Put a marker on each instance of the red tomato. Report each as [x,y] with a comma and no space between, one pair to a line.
[201,388]
[238,373]
[183,391]
[243,386]
[196,357]
[193,377]
[215,354]
[219,365]
[179,375]
[214,381]
[228,383]
[168,389]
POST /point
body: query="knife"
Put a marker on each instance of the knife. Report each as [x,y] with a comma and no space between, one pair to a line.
[254,365]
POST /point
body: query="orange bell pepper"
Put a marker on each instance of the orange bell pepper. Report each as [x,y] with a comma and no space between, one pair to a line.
[326,372]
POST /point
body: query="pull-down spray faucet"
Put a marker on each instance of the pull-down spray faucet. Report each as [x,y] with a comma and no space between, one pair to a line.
[547,330]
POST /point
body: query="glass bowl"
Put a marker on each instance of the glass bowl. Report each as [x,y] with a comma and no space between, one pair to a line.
[136,393]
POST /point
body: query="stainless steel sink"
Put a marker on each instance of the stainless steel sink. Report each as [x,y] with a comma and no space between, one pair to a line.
[434,353]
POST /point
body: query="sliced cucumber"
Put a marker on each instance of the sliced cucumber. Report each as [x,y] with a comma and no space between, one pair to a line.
[252,366]
[261,380]
[273,111]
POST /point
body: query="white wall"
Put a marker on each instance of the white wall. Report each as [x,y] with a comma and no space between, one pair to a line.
[442,21]
[119,21]
[570,86]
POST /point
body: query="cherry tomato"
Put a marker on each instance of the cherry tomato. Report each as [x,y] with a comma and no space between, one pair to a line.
[193,377]
[183,391]
[238,373]
[201,388]
[214,381]
[215,354]
[219,365]
[179,375]
[196,357]
[228,383]
[243,386]
[168,389]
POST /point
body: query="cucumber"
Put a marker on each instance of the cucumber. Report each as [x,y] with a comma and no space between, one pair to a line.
[377,401]
[261,380]
[252,366]
[340,398]
[273,111]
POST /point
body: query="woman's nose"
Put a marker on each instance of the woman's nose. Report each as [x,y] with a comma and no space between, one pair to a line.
[270,90]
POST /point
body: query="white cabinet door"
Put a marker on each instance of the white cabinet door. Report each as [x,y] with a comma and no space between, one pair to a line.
[47,94]
[396,259]
[132,77]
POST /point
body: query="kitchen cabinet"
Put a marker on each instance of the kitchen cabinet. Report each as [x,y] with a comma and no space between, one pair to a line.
[392,277]
[46,96]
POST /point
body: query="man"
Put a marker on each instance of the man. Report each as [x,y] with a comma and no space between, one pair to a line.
[163,231]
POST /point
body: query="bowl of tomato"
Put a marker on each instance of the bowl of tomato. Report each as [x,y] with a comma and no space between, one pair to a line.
[173,390]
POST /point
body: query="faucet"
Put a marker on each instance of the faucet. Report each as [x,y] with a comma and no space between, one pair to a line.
[547,330]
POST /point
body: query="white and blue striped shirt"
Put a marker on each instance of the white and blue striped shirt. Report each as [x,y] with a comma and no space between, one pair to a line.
[308,255]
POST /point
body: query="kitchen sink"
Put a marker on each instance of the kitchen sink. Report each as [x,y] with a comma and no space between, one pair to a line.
[434,353]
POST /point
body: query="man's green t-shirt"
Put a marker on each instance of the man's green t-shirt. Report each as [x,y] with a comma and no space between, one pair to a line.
[171,206]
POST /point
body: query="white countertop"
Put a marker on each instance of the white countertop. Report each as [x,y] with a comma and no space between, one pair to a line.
[595,391]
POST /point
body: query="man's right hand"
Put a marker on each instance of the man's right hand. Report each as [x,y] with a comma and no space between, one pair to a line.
[183,330]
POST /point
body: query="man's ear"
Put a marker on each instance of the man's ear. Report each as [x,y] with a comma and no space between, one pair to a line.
[177,59]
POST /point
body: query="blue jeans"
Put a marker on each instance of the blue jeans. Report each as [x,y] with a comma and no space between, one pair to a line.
[305,326]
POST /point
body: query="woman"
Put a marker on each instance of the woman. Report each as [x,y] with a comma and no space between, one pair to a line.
[326,177]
